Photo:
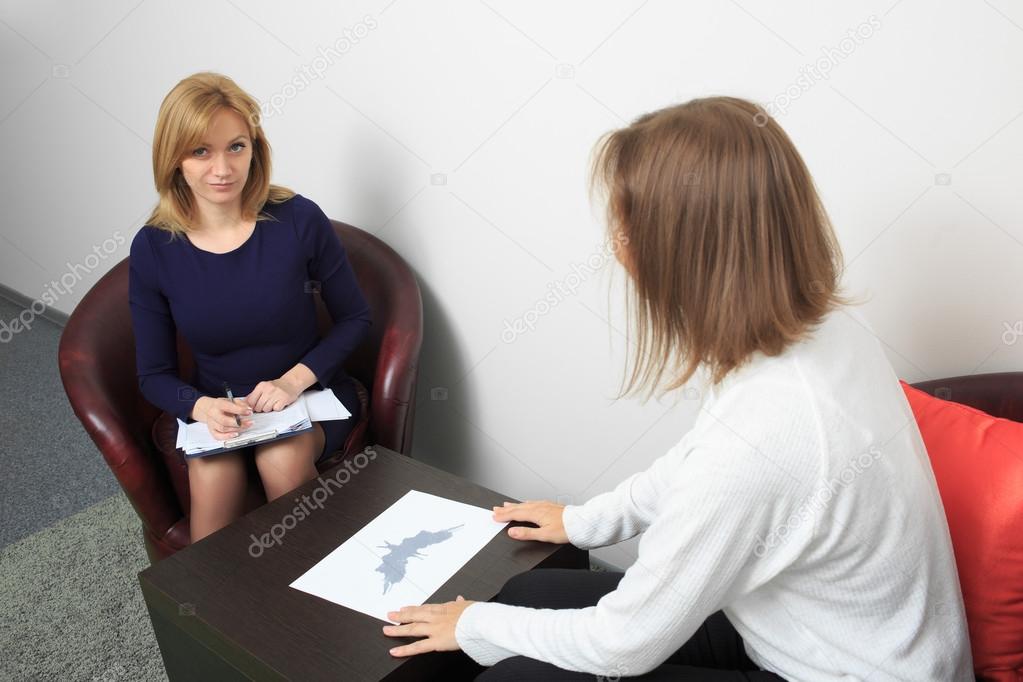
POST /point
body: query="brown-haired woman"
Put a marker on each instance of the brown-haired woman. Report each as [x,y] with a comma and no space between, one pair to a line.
[796,531]
[231,261]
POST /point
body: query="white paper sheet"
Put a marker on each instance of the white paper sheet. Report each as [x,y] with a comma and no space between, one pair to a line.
[324,406]
[402,556]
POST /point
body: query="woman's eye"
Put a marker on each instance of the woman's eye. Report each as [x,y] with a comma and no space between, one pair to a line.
[196,152]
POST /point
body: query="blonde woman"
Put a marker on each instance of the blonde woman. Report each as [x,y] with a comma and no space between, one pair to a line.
[796,531]
[231,261]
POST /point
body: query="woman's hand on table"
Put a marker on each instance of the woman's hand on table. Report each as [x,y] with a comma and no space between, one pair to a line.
[547,515]
[435,623]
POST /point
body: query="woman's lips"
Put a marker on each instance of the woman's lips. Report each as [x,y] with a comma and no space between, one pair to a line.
[222,187]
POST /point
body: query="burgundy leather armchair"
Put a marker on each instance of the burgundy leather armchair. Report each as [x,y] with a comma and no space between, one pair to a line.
[97,366]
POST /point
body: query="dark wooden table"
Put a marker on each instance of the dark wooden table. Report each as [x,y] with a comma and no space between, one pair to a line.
[222,609]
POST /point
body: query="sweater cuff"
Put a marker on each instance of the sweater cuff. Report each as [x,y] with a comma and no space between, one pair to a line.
[581,528]
[469,633]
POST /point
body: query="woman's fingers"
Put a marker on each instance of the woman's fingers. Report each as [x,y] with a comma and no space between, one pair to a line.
[546,515]
[523,533]
[407,630]
[516,513]
[229,418]
[530,512]
[521,511]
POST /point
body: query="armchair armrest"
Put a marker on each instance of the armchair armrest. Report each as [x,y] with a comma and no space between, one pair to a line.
[97,366]
[998,394]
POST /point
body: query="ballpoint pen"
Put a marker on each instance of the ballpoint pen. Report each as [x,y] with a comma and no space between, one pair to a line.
[230,396]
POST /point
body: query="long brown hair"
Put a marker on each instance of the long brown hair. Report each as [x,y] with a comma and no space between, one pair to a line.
[184,118]
[729,248]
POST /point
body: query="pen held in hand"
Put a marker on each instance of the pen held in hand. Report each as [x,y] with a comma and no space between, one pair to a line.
[230,396]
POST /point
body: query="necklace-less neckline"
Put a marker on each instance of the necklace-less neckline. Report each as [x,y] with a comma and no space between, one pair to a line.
[234,250]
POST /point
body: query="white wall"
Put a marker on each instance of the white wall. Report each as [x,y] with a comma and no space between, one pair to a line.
[459,133]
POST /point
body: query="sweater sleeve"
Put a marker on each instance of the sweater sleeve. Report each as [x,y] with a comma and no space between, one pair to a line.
[328,264]
[623,512]
[156,355]
[699,553]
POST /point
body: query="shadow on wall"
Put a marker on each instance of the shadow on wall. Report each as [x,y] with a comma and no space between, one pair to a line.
[441,437]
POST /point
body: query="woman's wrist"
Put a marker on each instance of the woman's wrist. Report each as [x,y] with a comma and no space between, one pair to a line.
[299,378]
[200,408]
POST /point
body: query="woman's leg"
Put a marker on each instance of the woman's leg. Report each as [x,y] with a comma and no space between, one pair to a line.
[714,653]
[557,588]
[286,464]
[216,486]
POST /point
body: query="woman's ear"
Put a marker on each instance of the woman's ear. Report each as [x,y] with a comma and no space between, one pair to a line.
[620,246]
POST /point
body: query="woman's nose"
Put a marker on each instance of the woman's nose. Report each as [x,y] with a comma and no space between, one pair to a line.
[221,167]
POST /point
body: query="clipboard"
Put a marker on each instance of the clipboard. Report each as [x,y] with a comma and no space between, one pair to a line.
[245,440]
[194,440]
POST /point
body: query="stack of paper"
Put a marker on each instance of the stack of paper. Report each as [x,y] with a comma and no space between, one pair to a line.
[311,406]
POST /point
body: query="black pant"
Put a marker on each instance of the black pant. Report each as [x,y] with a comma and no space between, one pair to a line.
[715,651]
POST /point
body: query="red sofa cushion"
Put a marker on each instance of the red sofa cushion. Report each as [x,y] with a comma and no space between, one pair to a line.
[978,465]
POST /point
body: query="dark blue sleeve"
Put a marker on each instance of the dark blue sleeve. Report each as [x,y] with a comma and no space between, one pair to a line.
[328,264]
[156,355]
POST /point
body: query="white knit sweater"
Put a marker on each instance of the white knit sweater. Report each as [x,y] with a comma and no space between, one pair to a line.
[802,503]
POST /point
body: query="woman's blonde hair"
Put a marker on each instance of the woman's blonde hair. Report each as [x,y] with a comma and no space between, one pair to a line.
[184,118]
[729,248]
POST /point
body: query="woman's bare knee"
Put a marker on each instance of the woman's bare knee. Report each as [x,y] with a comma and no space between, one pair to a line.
[287,464]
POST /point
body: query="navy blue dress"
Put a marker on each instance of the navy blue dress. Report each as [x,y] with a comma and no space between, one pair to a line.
[248,315]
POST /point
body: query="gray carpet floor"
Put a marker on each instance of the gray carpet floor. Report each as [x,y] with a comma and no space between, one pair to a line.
[71,600]
[70,546]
